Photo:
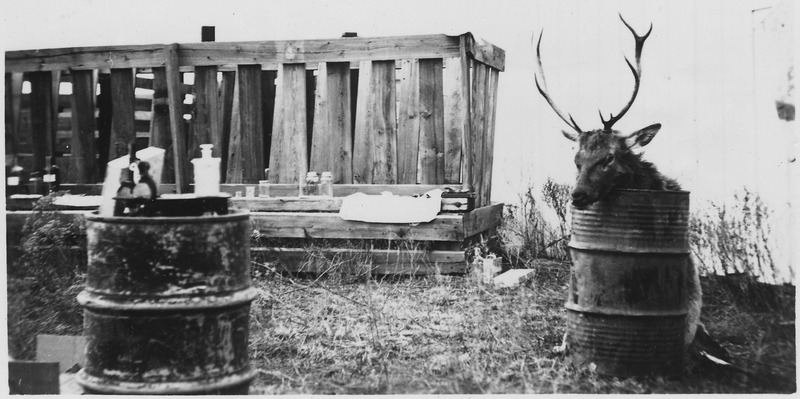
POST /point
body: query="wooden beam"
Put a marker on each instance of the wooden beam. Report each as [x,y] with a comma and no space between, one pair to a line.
[482,219]
[465,91]
[268,89]
[205,118]
[160,135]
[123,116]
[490,109]
[478,128]
[83,166]
[41,118]
[236,53]
[332,144]
[330,225]
[225,112]
[245,154]
[375,147]
[431,136]
[176,118]
[408,122]
[13,108]
[288,153]
[486,53]
[455,109]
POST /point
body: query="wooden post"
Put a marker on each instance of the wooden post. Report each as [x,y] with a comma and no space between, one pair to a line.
[288,156]
[490,108]
[331,149]
[375,147]
[13,109]
[56,82]
[82,160]
[245,154]
[477,130]
[41,118]
[268,110]
[175,96]
[466,114]
[225,104]
[431,135]
[455,110]
[104,116]
[160,135]
[408,123]
[123,118]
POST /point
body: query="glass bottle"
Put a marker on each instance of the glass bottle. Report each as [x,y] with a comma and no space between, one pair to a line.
[326,184]
[311,186]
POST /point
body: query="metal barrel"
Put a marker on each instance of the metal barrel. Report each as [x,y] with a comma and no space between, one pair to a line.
[166,305]
[627,304]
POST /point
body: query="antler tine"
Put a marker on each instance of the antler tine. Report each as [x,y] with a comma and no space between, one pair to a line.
[567,118]
[637,76]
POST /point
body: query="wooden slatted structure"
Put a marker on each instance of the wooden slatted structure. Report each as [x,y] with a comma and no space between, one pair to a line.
[397,114]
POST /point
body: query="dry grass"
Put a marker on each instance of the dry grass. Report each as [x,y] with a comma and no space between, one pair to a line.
[445,335]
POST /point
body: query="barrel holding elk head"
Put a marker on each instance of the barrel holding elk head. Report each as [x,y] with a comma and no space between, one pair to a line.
[606,159]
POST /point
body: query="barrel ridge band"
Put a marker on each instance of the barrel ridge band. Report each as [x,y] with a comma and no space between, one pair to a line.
[190,387]
[623,312]
[94,301]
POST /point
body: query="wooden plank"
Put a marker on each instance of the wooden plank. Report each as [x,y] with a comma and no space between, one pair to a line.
[38,378]
[235,53]
[104,111]
[331,149]
[330,225]
[488,142]
[225,112]
[455,107]
[288,153]
[288,190]
[431,112]
[160,135]
[466,113]
[41,117]
[175,99]
[486,53]
[483,219]
[408,122]
[13,107]
[477,129]
[311,86]
[122,120]
[288,204]
[205,118]
[56,85]
[268,110]
[375,147]
[381,261]
[83,165]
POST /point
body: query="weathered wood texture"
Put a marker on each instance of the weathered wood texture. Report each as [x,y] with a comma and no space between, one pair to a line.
[205,118]
[83,166]
[332,144]
[375,147]
[122,119]
[288,161]
[13,108]
[175,100]
[245,151]
[160,135]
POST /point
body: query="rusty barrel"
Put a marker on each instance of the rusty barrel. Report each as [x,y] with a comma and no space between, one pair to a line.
[166,305]
[627,303]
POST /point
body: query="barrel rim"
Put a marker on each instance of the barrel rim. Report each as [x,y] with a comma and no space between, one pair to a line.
[607,311]
[91,300]
[628,249]
[233,215]
[188,387]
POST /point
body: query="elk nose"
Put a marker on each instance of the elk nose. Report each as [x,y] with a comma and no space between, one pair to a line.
[579,198]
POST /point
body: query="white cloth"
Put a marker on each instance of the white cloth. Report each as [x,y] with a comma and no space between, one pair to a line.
[389,208]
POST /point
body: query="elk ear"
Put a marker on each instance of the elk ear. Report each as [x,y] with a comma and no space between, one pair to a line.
[570,135]
[641,138]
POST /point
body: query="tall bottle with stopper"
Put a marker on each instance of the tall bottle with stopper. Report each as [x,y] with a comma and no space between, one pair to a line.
[206,172]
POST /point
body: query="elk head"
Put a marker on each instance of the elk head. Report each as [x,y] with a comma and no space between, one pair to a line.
[604,158]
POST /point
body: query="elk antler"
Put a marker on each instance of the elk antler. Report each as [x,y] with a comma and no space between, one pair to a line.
[637,76]
[543,91]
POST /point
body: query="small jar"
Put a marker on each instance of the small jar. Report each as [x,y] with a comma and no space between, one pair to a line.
[326,184]
[311,186]
[263,188]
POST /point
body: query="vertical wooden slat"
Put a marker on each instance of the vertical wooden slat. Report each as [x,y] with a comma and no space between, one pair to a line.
[431,136]
[225,104]
[104,116]
[175,96]
[82,160]
[205,119]
[466,114]
[123,116]
[245,153]
[160,135]
[56,85]
[408,122]
[455,118]
[41,117]
[478,124]
[332,145]
[268,109]
[311,84]
[375,149]
[13,109]
[490,109]
[288,156]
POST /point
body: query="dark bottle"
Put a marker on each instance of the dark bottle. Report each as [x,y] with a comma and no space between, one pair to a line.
[16,180]
[126,183]
[52,179]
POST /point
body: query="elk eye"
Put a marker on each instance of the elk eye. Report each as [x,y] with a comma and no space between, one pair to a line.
[608,159]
